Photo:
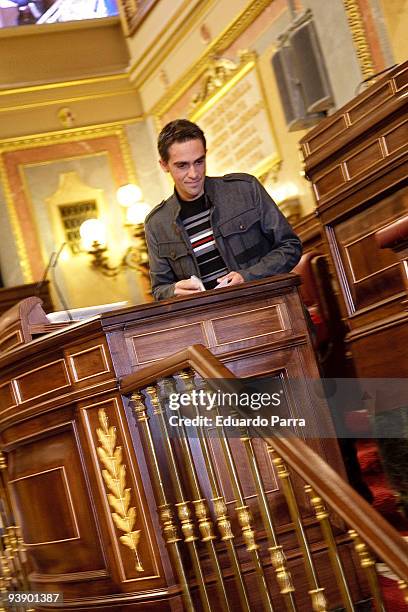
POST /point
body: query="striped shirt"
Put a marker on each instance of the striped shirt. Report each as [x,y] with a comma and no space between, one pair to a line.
[195,216]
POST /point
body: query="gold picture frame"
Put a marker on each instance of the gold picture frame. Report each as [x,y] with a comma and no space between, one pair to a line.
[232,109]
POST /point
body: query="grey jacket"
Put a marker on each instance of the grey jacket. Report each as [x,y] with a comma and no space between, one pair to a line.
[251,233]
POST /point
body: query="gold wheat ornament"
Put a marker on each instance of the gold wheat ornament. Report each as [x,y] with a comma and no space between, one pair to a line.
[114,476]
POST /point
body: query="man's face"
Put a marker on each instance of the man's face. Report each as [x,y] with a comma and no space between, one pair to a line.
[187,168]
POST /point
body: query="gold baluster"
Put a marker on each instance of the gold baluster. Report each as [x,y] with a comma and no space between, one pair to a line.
[278,558]
[165,509]
[184,513]
[5,581]
[220,508]
[204,522]
[8,551]
[402,585]
[245,519]
[368,563]
[19,553]
[323,517]
[316,593]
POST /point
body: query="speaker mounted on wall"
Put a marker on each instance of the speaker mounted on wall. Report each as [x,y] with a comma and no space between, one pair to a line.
[301,75]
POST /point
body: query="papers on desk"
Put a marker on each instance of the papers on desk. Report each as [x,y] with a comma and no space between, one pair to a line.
[199,282]
[79,314]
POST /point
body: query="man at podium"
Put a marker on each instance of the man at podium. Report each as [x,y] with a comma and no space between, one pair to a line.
[213,231]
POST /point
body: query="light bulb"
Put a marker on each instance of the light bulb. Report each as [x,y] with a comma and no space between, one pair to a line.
[129,194]
[92,230]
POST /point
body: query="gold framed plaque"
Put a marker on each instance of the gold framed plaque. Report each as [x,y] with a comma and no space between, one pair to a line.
[232,110]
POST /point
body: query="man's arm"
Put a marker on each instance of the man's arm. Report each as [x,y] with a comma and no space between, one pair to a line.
[287,247]
[161,275]
[163,281]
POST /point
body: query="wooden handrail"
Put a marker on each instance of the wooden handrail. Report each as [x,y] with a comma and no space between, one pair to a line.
[376,532]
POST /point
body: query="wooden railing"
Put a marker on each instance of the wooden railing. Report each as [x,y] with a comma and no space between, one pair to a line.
[323,485]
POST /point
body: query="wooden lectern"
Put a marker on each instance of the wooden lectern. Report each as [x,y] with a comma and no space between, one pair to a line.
[53,391]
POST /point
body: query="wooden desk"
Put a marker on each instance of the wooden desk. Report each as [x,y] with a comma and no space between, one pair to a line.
[357,160]
[51,393]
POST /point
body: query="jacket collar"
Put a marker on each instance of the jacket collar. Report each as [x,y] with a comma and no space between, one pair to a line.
[173,204]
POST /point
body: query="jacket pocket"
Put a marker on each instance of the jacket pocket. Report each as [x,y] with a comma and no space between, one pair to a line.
[239,224]
[172,250]
[178,258]
[244,237]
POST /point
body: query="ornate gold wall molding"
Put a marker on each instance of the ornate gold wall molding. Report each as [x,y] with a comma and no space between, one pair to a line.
[221,79]
[133,12]
[18,237]
[62,101]
[116,128]
[63,84]
[113,128]
[360,41]
[164,49]
[222,42]
[35,141]
[219,73]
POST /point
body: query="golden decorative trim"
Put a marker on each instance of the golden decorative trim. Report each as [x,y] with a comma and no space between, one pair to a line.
[223,41]
[220,72]
[358,34]
[283,577]
[114,476]
[60,84]
[127,156]
[63,101]
[323,517]
[116,128]
[72,135]
[319,603]
[18,238]
[221,76]
[191,19]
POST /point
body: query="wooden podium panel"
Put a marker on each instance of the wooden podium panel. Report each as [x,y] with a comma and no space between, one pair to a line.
[357,160]
[59,399]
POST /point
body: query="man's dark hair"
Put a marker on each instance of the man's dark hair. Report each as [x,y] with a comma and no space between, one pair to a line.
[179,130]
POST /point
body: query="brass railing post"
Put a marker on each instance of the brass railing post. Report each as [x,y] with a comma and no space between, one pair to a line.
[316,593]
[323,517]
[205,524]
[182,505]
[220,507]
[164,508]
[245,520]
[278,558]
[368,564]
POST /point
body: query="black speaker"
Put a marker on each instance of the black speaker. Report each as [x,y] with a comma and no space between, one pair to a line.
[310,67]
[290,89]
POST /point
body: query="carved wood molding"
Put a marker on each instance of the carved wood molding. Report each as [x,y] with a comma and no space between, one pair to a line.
[133,12]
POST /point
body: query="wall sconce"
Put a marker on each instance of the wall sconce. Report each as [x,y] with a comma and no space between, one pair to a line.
[93,235]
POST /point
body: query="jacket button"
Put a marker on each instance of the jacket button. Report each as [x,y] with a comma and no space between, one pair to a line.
[241,226]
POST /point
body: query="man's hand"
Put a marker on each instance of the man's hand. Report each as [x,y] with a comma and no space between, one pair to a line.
[188,286]
[233,278]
